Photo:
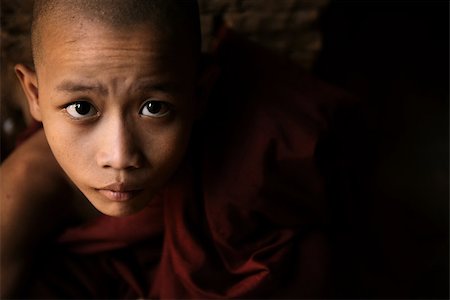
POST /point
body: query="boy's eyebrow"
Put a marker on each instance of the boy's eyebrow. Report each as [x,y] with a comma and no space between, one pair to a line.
[70,86]
[163,87]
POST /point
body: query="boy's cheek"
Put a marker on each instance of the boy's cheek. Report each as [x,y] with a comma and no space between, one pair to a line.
[70,152]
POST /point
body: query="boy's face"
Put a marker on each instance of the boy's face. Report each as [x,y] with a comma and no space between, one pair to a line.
[117,108]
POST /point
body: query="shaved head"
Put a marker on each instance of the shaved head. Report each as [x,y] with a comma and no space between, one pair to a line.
[174,18]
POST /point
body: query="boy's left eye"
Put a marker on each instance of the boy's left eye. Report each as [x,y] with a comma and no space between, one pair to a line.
[81,109]
[155,108]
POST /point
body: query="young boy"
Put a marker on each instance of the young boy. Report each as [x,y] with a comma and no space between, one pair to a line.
[233,210]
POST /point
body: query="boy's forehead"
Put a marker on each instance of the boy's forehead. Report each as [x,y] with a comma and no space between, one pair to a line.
[72,31]
[64,38]
[94,53]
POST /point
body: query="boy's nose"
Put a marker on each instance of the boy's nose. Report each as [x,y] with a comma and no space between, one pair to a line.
[118,148]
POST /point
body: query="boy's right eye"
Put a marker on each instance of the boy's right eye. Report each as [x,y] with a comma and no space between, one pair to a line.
[81,109]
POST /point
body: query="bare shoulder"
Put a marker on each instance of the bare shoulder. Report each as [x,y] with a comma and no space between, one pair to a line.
[33,188]
[32,162]
[31,179]
[31,207]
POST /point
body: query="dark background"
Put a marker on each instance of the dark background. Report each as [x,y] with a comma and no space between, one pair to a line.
[394,56]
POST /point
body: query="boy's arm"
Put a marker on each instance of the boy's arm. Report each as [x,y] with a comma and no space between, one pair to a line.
[35,203]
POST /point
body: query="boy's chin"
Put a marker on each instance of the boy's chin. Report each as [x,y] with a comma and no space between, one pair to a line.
[118,209]
[124,207]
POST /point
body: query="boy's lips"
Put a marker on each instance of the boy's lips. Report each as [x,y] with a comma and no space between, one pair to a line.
[119,191]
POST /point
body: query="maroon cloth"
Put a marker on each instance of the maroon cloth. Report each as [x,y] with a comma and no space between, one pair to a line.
[245,216]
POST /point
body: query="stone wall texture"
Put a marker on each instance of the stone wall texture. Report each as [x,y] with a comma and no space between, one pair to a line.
[289,27]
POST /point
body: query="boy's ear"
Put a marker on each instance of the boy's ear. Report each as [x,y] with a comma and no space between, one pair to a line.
[206,82]
[28,80]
